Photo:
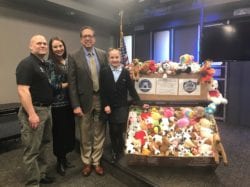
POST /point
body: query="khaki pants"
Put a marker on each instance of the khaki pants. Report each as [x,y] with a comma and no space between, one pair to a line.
[92,134]
[36,144]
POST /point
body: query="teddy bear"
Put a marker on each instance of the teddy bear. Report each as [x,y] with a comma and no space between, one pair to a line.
[205,150]
[197,113]
[214,94]
[135,69]
[164,147]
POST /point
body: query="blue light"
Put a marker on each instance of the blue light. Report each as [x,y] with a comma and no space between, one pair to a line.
[212,17]
[161,46]
[198,43]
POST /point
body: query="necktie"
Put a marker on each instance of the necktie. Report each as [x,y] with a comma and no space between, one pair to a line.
[94,73]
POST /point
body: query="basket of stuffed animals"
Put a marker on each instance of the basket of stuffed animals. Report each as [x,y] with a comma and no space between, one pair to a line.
[178,128]
[173,136]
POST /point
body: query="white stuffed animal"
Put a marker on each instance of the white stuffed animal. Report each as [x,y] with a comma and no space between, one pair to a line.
[214,94]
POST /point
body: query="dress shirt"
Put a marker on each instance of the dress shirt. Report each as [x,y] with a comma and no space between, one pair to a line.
[116,71]
[93,53]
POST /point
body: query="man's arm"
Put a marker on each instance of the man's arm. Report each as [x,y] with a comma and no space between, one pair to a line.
[73,87]
[26,101]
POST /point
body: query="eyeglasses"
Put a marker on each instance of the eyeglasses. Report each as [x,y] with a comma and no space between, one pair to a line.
[88,36]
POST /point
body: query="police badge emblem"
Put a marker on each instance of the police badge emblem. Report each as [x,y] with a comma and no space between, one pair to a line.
[189,86]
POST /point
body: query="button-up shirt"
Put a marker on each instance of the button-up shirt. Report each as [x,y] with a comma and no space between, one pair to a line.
[87,56]
[116,71]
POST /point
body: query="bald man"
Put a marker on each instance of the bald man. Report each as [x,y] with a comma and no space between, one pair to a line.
[34,115]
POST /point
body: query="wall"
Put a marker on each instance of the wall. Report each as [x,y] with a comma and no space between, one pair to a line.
[238,94]
[17,27]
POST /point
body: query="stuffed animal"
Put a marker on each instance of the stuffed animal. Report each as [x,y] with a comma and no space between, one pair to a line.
[214,94]
[186,59]
[154,146]
[135,69]
[183,122]
[210,110]
[145,149]
[130,149]
[142,136]
[148,67]
[206,72]
[164,147]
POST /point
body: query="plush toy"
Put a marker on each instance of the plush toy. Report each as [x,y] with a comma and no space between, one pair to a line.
[164,124]
[168,112]
[145,149]
[205,150]
[137,145]
[207,133]
[206,72]
[164,68]
[204,122]
[183,122]
[187,142]
[154,146]
[198,112]
[130,149]
[164,147]
[135,69]
[195,67]
[148,67]
[142,136]
[186,59]
[214,94]
[210,110]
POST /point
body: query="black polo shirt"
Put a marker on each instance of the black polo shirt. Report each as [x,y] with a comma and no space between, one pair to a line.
[31,71]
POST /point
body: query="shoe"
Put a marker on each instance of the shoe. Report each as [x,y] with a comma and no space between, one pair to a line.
[114,158]
[86,170]
[67,164]
[60,168]
[47,180]
[99,170]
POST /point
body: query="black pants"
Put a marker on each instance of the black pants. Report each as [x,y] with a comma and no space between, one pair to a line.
[116,131]
[63,130]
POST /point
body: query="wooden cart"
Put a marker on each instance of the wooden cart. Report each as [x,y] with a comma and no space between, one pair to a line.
[180,90]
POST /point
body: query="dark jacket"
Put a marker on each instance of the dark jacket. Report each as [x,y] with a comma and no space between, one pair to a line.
[115,94]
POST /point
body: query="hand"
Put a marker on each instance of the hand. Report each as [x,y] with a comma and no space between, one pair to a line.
[78,111]
[34,121]
[65,85]
[107,109]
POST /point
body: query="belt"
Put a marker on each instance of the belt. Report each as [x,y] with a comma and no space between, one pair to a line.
[41,104]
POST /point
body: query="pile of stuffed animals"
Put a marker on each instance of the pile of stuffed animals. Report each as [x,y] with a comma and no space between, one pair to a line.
[174,131]
[186,64]
[170,131]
